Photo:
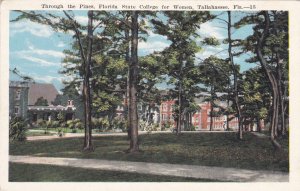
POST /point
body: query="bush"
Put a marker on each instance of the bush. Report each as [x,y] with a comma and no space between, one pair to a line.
[17,129]
[144,126]
[191,128]
[60,132]
[41,123]
[167,125]
[51,124]
[74,125]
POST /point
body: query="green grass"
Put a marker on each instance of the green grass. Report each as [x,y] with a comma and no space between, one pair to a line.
[211,149]
[38,133]
[49,173]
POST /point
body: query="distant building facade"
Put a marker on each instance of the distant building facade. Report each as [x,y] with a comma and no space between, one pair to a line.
[18,99]
[200,119]
[23,96]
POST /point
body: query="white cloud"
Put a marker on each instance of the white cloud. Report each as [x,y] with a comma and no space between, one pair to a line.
[208,30]
[61,44]
[81,19]
[218,51]
[32,52]
[31,27]
[46,79]
[149,47]
[56,80]
[41,52]
[40,61]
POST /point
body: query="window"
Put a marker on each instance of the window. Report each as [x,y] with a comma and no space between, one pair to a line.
[16,110]
[18,94]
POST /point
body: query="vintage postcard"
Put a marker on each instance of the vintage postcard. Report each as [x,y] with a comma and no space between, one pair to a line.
[149,95]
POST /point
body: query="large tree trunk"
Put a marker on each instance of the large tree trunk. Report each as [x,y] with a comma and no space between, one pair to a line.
[235,82]
[212,91]
[211,114]
[133,74]
[271,78]
[127,59]
[179,122]
[86,86]
[280,95]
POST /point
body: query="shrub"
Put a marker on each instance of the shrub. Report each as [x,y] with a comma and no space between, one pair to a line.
[60,132]
[74,125]
[78,124]
[17,129]
[167,125]
[191,128]
[41,123]
[144,126]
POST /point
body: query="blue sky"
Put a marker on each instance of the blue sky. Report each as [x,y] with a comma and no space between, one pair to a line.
[37,51]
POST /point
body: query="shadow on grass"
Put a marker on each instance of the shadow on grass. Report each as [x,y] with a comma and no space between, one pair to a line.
[48,173]
[211,149]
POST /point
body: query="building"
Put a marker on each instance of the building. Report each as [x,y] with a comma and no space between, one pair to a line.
[24,95]
[18,99]
[37,90]
[166,112]
[51,112]
[201,118]
[145,111]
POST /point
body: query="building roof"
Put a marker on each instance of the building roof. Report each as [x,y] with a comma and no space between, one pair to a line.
[37,90]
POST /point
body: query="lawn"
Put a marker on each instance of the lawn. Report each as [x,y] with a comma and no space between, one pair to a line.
[49,173]
[39,133]
[212,149]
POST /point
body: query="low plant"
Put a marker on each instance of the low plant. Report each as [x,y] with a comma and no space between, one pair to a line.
[60,132]
[17,129]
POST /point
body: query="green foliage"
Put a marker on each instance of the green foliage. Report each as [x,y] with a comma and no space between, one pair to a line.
[191,128]
[17,129]
[101,124]
[74,124]
[41,101]
[61,117]
[51,124]
[166,126]
[257,97]
[60,132]
[149,127]
[41,123]
[213,41]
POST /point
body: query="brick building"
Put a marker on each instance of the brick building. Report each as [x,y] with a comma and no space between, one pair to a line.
[200,119]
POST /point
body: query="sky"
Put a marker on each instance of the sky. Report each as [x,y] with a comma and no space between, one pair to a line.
[37,51]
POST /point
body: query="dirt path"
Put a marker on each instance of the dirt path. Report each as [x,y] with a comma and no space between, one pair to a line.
[193,171]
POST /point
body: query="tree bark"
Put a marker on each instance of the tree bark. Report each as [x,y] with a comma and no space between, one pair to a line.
[127,59]
[271,78]
[280,95]
[133,74]
[86,86]
[235,82]
[179,123]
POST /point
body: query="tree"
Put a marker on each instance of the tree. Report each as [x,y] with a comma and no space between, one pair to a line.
[66,24]
[214,74]
[133,82]
[181,29]
[269,43]
[150,74]
[235,76]
[256,100]
[41,101]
